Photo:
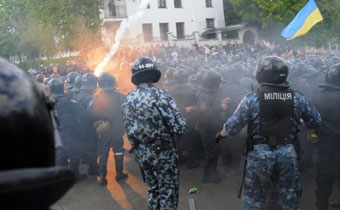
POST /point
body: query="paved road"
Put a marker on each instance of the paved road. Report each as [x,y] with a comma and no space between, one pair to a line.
[131,194]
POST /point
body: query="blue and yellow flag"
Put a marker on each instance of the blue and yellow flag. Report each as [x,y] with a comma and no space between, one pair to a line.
[308,16]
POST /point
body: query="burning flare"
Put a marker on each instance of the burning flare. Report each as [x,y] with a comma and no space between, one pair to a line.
[126,23]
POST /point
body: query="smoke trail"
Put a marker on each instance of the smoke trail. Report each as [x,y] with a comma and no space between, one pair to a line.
[126,23]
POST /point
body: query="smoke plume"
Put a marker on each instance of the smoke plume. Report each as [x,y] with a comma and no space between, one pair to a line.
[125,24]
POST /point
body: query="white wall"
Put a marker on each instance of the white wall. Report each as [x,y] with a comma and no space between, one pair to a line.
[193,13]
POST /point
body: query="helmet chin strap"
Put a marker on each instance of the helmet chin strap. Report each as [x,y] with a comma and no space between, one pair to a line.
[282,85]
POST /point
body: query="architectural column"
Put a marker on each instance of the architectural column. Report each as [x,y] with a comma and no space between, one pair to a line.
[219,36]
[196,35]
[170,38]
[140,38]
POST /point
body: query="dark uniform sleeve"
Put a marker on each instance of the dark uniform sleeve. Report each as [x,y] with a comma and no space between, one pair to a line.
[172,116]
[241,115]
[309,113]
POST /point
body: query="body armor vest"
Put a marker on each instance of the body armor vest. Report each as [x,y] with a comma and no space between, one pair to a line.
[276,111]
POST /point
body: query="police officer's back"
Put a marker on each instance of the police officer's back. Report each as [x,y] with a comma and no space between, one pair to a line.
[88,132]
[152,123]
[107,108]
[68,115]
[186,99]
[328,162]
[73,93]
[70,83]
[272,115]
[208,113]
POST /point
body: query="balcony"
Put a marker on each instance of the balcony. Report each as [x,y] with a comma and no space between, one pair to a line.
[115,9]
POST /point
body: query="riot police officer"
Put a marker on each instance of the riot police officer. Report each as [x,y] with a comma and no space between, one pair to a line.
[152,122]
[186,99]
[73,93]
[70,83]
[87,131]
[169,80]
[67,112]
[328,160]
[107,108]
[28,176]
[40,78]
[208,113]
[272,115]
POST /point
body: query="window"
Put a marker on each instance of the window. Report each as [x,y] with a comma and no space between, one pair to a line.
[147,32]
[210,22]
[208,3]
[178,3]
[161,3]
[164,29]
[180,30]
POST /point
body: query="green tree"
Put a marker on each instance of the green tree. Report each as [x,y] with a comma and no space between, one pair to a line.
[46,27]
[69,20]
[275,15]
[230,15]
[11,25]
[272,14]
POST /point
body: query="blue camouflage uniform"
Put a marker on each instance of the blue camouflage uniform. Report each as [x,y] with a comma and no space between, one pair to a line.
[152,121]
[263,162]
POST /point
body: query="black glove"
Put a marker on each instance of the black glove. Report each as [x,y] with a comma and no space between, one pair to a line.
[219,137]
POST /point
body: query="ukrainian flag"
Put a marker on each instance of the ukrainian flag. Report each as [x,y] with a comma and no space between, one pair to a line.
[308,16]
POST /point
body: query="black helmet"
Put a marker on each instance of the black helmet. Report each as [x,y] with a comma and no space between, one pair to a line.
[27,134]
[78,81]
[181,76]
[211,80]
[169,75]
[272,69]
[70,77]
[40,78]
[144,69]
[332,60]
[248,83]
[56,87]
[28,176]
[32,72]
[333,75]
[89,81]
[324,68]
[107,81]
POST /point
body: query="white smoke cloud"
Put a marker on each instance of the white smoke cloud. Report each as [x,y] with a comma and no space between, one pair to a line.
[125,24]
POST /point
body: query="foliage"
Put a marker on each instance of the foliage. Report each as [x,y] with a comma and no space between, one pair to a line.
[68,19]
[275,15]
[10,26]
[230,16]
[35,64]
[47,27]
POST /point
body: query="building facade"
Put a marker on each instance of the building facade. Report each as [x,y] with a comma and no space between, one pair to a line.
[162,21]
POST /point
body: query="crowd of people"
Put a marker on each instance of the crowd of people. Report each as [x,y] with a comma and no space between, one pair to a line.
[207,85]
